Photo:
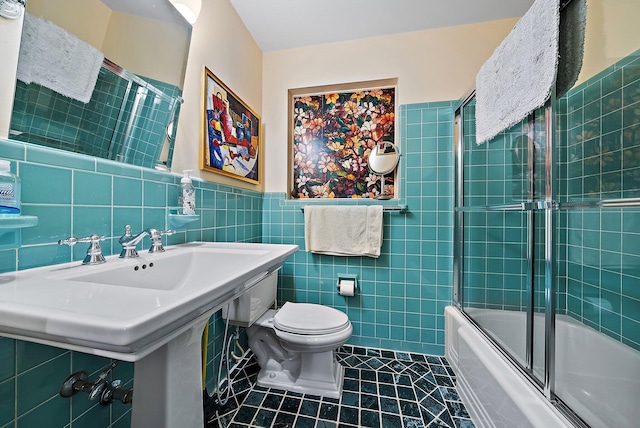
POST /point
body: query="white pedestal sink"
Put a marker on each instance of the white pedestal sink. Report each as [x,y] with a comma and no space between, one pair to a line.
[150,310]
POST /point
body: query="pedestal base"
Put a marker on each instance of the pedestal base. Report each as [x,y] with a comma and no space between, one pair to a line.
[168,384]
[319,374]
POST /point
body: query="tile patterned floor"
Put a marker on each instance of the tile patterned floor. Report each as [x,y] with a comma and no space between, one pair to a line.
[381,389]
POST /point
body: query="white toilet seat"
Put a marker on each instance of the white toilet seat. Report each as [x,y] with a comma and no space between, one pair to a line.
[309,319]
[313,342]
[308,327]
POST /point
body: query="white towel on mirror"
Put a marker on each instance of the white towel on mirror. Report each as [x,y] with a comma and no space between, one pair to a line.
[56,59]
[343,230]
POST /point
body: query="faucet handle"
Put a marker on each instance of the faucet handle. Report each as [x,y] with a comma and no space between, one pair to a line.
[94,252]
[71,241]
[156,239]
[128,242]
[126,237]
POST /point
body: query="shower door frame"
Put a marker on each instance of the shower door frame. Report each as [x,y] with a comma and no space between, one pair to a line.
[545,204]
[143,89]
[528,207]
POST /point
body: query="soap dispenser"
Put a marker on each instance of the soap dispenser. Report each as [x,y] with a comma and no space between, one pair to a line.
[188,198]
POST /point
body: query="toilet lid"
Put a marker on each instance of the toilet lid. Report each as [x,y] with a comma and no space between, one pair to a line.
[309,318]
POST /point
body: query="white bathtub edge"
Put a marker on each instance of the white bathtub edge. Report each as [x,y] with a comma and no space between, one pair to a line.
[479,366]
[475,409]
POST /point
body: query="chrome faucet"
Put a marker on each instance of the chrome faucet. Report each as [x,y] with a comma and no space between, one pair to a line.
[156,239]
[94,252]
[129,242]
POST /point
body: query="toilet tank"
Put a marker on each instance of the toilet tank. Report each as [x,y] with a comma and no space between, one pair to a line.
[250,306]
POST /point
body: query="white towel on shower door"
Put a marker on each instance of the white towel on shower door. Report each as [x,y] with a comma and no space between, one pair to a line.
[520,74]
[343,230]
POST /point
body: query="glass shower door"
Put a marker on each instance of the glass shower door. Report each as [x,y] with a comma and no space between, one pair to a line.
[507,260]
[496,294]
[497,252]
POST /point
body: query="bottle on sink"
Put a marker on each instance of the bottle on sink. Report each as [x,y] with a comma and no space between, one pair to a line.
[9,190]
[188,197]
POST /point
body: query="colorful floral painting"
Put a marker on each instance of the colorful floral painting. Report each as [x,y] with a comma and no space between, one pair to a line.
[332,137]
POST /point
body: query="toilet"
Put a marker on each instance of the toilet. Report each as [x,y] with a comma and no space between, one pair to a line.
[295,346]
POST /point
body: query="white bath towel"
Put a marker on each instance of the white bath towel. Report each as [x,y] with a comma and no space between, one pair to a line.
[52,57]
[343,230]
[520,74]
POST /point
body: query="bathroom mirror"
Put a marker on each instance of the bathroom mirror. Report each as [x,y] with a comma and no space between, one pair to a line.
[383,160]
[133,111]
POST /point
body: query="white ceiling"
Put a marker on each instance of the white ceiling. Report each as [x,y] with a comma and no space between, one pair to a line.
[284,24]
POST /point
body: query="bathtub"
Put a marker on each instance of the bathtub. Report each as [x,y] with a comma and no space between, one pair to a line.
[596,376]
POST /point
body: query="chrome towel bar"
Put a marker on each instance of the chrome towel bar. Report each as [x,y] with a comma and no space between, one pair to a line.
[401,209]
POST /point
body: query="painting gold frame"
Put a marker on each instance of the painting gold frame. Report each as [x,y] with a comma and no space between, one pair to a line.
[231,140]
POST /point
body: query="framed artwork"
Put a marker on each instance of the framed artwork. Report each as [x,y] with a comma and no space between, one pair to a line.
[231,145]
[333,135]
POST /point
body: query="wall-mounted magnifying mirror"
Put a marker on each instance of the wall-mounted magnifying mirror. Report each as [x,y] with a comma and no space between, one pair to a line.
[383,160]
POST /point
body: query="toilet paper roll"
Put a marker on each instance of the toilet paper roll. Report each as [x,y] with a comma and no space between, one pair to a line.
[347,287]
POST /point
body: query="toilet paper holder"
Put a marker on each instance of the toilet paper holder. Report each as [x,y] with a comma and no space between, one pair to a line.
[348,279]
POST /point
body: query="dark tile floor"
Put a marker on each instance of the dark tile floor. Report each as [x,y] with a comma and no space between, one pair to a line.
[381,389]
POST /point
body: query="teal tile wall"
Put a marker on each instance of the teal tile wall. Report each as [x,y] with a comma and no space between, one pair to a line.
[402,295]
[495,246]
[599,159]
[601,118]
[148,129]
[79,195]
[48,118]
[42,116]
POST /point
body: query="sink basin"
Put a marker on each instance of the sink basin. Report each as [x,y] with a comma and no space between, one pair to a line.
[126,308]
[173,270]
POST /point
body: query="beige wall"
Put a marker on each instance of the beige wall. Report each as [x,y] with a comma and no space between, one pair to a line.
[221,42]
[87,20]
[431,65]
[165,64]
[612,34]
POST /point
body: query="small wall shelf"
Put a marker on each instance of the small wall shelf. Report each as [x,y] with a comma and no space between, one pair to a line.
[178,221]
[18,221]
[11,227]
